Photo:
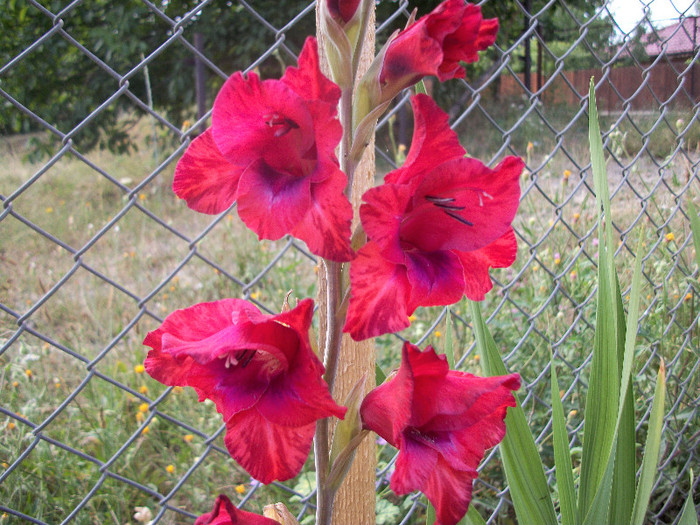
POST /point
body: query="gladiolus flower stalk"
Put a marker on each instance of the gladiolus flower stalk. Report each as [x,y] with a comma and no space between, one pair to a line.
[355,501]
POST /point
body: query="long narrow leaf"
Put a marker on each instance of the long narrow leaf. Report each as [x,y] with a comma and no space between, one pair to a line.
[598,511]
[472,518]
[602,402]
[695,227]
[622,497]
[688,514]
[651,450]
[562,457]
[600,180]
[522,464]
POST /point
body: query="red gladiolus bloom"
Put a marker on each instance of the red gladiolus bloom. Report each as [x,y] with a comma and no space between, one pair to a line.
[435,227]
[225,513]
[271,148]
[442,422]
[258,369]
[435,45]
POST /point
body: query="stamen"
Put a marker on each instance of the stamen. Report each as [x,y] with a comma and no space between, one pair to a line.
[230,360]
[439,200]
[249,358]
[444,202]
[284,124]
[242,357]
[459,218]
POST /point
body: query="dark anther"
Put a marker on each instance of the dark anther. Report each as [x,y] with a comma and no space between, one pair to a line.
[459,218]
[248,358]
[444,203]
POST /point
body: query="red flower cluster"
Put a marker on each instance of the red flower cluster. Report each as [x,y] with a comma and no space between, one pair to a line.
[435,227]
[271,148]
[442,422]
[258,369]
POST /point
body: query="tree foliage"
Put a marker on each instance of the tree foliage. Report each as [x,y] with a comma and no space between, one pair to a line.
[61,84]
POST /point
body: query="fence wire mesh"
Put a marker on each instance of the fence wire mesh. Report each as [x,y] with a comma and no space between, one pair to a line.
[95,250]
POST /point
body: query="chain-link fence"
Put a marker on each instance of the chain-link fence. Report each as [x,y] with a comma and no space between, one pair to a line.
[95,249]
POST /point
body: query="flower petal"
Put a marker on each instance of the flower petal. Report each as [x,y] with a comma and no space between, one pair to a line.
[436,278]
[225,513]
[267,120]
[307,80]
[270,202]
[204,178]
[450,492]
[473,35]
[499,254]
[299,397]
[381,217]
[198,322]
[414,465]
[433,143]
[386,410]
[379,293]
[267,451]
[471,205]
[326,226]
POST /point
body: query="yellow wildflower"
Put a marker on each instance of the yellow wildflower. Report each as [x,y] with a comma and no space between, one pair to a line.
[188,437]
[139,369]
[670,237]
[240,489]
[170,469]
[143,407]
[143,389]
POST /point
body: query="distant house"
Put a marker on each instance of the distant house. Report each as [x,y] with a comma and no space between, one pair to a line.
[667,73]
[677,42]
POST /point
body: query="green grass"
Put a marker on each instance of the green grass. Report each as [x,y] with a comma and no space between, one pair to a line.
[547,304]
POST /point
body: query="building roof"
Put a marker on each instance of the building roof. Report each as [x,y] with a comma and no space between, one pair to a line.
[680,38]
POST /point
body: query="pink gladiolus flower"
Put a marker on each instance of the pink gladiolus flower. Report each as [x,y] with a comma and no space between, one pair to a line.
[435,45]
[271,148]
[258,369]
[435,227]
[442,422]
[225,513]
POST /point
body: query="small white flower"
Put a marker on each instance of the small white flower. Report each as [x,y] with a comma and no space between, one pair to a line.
[143,514]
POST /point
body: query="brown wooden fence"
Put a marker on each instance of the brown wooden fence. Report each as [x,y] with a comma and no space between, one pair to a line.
[674,83]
